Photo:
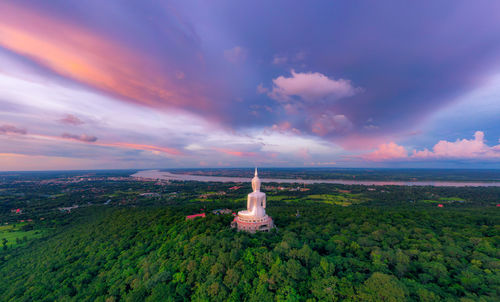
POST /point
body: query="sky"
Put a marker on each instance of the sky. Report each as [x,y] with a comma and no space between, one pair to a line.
[169,84]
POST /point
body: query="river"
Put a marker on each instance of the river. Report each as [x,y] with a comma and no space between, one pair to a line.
[156,174]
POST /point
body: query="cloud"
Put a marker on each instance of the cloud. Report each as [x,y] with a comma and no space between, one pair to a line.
[180,75]
[301,55]
[9,129]
[284,127]
[472,148]
[19,162]
[329,122]
[459,149]
[92,58]
[371,127]
[70,119]
[310,87]
[236,54]
[304,153]
[261,89]
[154,149]
[83,138]
[236,153]
[279,59]
[385,152]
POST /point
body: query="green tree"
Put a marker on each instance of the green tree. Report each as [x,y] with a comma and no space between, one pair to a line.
[382,287]
[287,294]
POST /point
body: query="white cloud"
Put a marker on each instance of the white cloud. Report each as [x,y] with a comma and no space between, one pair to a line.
[289,144]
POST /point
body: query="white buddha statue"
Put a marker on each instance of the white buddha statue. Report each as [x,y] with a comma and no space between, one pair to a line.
[256,202]
[254,218]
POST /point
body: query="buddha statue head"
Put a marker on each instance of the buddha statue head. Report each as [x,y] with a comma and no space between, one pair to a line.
[256,182]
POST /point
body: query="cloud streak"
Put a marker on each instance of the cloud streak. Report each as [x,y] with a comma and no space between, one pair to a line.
[82,137]
[236,153]
[85,56]
[12,130]
[155,149]
[70,119]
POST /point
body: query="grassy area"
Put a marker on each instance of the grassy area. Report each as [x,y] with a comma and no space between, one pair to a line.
[16,235]
[277,198]
[444,200]
[345,199]
[123,194]
[452,199]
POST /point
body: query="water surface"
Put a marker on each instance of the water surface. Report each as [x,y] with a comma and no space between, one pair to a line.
[156,174]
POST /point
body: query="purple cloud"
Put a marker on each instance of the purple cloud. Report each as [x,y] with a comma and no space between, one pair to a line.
[279,59]
[83,137]
[329,122]
[70,119]
[10,129]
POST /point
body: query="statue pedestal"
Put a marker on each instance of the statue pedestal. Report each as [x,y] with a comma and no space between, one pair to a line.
[253,225]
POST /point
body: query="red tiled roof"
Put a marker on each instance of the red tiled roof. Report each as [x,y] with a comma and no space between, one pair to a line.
[195,215]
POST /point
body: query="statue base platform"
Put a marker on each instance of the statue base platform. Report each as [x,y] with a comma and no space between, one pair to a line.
[253,225]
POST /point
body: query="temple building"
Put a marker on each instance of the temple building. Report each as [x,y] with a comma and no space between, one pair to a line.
[254,218]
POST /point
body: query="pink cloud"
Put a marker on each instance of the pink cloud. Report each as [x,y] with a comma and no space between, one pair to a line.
[83,55]
[357,141]
[83,137]
[19,162]
[10,129]
[304,153]
[462,149]
[167,150]
[261,89]
[70,119]
[284,127]
[388,151]
[473,148]
[310,86]
[236,153]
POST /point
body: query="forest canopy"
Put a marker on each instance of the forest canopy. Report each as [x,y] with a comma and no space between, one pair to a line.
[329,253]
